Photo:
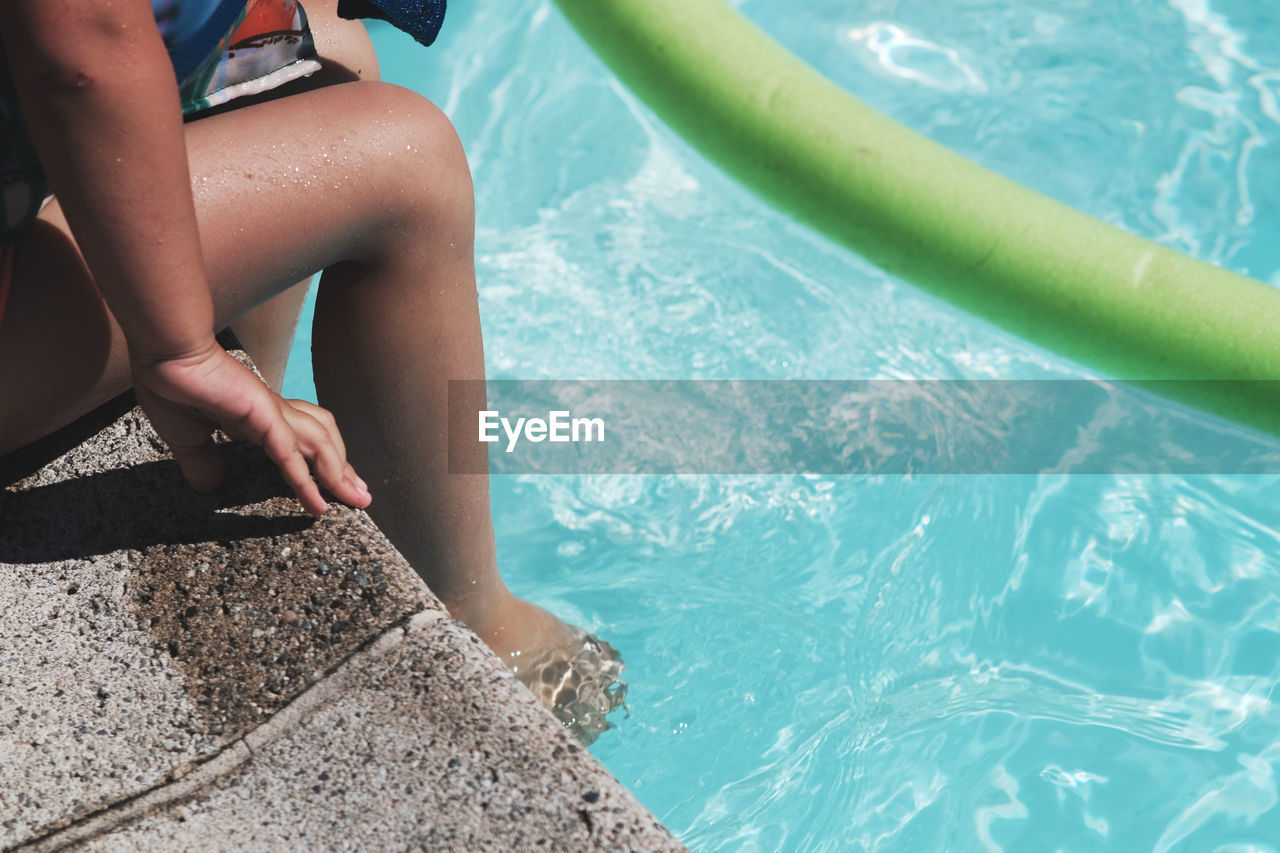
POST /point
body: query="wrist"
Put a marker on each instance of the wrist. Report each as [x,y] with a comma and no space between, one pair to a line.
[148,353]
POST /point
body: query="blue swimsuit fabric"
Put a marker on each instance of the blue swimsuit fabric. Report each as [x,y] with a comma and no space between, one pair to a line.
[419,18]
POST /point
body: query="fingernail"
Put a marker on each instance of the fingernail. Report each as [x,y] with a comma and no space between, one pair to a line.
[364,487]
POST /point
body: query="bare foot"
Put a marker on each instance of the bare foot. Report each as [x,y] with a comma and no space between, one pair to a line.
[570,671]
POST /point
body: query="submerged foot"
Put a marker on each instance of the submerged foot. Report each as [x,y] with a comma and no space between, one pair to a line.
[580,684]
[574,674]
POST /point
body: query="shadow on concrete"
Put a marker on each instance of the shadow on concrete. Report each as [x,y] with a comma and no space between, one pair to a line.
[136,507]
[247,596]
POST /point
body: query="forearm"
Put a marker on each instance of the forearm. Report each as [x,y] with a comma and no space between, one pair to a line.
[102,104]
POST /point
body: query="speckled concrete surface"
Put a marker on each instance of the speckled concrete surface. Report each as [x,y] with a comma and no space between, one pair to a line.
[149,635]
[455,758]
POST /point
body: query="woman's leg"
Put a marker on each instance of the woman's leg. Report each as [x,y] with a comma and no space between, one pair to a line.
[369,182]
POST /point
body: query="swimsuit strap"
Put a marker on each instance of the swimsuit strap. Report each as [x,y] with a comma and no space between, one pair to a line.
[187,55]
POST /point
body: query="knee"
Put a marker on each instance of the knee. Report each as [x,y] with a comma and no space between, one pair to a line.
[430,191]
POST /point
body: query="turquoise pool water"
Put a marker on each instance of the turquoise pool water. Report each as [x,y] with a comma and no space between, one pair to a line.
[1039,663]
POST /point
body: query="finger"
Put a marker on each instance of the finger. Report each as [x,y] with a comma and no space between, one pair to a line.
[190,440]
[328,465]
[320,443]
[325,418]
[203,466]
[281,446]
[355,478]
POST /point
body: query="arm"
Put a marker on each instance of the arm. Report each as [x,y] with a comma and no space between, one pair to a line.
[101,99]
[109,132]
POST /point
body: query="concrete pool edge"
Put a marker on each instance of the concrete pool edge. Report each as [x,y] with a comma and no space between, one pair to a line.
[236,674]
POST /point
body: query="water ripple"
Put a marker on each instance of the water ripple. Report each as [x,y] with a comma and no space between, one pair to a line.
[917,59]
[889,664]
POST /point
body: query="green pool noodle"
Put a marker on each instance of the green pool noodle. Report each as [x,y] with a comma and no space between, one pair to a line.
[1128,307]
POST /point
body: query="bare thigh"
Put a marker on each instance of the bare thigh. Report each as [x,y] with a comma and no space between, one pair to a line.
[347,55]
[282,189]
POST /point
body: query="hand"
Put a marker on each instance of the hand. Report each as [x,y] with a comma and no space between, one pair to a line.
[188,398]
